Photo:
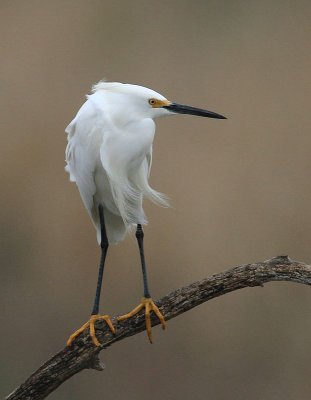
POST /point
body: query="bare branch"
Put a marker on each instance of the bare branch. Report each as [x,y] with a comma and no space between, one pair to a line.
[83,354]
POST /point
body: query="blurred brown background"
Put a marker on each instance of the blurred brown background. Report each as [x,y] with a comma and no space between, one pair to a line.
[240,190]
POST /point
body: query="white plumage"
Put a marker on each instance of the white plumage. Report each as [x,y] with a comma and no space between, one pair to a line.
[109,154]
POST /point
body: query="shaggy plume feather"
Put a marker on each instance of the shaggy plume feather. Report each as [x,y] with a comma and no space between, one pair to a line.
[109,157]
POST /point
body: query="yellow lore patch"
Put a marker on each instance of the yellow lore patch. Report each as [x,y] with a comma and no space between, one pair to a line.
[155,103]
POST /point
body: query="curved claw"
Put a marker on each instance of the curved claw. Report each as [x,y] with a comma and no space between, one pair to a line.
[91,324]
[149,305]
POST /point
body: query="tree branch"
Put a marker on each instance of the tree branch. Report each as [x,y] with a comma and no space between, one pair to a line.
[83,354]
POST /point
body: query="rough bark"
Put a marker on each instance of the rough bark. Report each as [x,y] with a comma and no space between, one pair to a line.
[83,354]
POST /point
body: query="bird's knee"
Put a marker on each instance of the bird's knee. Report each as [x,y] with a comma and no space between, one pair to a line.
[139,232]
[104,244]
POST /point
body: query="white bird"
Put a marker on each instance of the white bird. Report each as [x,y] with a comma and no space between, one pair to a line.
[109,155]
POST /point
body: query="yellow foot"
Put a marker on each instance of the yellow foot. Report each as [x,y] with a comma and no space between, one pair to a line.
[148,305]
[91,324]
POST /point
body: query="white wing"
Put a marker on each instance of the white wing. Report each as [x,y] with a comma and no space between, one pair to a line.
[85,137]
[85,134]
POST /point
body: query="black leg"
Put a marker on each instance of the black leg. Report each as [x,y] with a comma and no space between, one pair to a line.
[104,248]
[146,303]
[140,240]
[90,324]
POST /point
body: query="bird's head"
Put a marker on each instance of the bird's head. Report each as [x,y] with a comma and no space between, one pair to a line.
[159,106]
[141,102]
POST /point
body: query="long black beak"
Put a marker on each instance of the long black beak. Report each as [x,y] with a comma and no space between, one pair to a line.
[183,109]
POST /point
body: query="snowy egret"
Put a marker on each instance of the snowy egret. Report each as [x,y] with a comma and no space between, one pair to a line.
[108,156]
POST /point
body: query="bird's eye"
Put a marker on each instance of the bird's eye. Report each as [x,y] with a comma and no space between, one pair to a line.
[152,102]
